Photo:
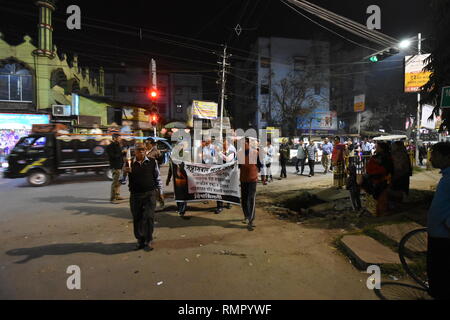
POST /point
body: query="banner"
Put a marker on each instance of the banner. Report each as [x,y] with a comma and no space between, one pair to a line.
[318,121]
[415,76]
[360,103]
[204,109]
[427,112]
[199,182]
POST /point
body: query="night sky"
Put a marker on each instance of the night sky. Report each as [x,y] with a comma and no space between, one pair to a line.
[181,35]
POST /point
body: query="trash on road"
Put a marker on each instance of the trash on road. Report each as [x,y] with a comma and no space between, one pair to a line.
[159,283]
[393,278]
[198,255]
[187,260]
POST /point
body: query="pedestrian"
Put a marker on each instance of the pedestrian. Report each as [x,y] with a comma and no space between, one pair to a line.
[377,182]
[438,257]
[115,155]
[422,153]
[152,149]
[354,188]
[402,171]
[327,150]
[145,190]
[367,148]
[301,157]
[284,158]
[208,152]
[249,179]
[338,161]
[311,153]
[266,173]
[95,129]
[226,155]
[181,205]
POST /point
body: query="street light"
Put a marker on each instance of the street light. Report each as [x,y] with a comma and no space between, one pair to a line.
[405,44]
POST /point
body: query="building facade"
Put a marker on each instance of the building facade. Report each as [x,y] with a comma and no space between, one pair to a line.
[175,91]
[277,71]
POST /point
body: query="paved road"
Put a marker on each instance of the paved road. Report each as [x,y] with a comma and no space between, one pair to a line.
[71,222]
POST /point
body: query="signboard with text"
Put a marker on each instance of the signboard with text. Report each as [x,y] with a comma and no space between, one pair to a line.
[445,100]
[415,76]
[204,109]
[360,103]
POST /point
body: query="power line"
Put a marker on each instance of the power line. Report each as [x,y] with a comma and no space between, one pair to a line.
[326,28]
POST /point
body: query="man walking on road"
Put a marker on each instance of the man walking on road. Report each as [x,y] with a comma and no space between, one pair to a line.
[301,157]
[115,154]
[311,151]
[327,150]
[284,158]
[249,180]
[438,253]
[145,189]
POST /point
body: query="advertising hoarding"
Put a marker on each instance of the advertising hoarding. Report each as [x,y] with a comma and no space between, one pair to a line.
[204,109]
[415,76]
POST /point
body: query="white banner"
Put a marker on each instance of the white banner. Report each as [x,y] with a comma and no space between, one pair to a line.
[206,182]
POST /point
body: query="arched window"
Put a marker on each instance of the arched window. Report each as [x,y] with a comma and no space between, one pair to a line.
[16,82]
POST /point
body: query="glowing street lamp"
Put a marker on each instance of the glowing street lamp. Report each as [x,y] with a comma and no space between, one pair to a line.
[405,44]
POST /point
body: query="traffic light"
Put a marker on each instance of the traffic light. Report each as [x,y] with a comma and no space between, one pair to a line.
[153,94]
[154,119]
[379,56]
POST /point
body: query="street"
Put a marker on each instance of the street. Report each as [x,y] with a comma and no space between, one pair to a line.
[71,222]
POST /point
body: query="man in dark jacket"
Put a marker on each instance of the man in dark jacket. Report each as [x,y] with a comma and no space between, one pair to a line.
[284,158]
[145,189]
[115,154]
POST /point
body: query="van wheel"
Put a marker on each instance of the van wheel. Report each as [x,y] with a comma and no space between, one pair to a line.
[38,178]
[108,174]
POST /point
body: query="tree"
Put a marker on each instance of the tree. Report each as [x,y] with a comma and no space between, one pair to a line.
[439,61]
[295,96]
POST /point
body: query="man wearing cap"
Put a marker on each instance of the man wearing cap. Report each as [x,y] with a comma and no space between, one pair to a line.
[145,189]
[115,154]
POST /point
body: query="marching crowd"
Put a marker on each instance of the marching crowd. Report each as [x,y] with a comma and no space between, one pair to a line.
[385,179]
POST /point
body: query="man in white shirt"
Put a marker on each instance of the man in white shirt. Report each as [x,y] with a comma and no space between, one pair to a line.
[228,154]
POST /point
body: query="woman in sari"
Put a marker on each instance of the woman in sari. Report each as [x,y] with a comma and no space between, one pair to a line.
[338,160]
[379,170]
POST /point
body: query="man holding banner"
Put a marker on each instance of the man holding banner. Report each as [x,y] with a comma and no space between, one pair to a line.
[227,155]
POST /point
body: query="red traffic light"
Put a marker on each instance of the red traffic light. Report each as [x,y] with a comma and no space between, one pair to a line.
[154,119]
[153,94]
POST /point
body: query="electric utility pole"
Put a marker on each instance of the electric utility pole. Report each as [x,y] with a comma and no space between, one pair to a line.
[224,65]
[419,107]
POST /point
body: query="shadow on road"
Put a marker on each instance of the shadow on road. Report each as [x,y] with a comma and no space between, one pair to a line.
[164,218]
[70,248]
[401,291]
[71,199]
[71,179]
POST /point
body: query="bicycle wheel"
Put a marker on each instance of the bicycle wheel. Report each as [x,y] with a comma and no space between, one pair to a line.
[401,291]
[413,255]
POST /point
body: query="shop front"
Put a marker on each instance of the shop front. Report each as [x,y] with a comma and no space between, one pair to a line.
[13,126]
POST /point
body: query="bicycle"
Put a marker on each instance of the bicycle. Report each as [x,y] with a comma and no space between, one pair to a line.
[413,257]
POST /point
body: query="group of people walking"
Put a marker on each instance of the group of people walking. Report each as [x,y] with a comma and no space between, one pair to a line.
[146,188]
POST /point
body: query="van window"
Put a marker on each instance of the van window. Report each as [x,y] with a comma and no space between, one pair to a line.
[25,141]
[39,143]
